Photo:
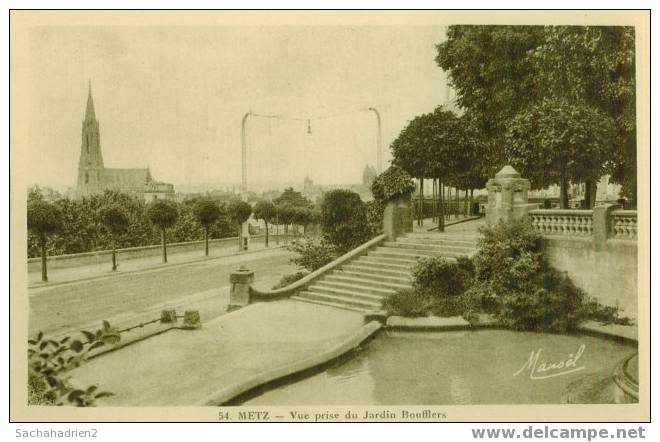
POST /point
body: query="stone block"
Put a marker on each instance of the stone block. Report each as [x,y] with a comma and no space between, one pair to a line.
[239,293]
[191,320]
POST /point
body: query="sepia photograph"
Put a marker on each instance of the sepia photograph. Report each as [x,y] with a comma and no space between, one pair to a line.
[330,216]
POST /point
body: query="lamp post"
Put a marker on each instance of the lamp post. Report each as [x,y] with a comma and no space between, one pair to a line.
[379,151]
[244,158]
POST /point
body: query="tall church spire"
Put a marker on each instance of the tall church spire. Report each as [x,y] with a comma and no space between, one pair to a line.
[89,112]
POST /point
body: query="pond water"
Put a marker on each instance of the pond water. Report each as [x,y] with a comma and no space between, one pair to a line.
[459,367]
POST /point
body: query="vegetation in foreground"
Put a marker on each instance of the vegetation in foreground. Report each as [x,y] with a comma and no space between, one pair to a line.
[508,278]
[49,360]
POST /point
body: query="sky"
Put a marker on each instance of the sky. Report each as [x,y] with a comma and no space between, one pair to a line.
[172,98]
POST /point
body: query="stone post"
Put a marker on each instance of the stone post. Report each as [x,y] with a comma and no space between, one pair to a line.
[239,294]
[601,224]
[507,196]
[397,217]
[168,316]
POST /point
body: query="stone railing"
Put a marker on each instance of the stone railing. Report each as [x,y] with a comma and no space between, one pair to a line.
[563,222]
[242,292]
[623,224]
[603,223]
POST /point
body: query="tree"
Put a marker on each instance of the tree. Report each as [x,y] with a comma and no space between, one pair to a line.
[43,219]
[207,212]
[435,145]
[501,71]
[344,219]
[265,210]
[493,76]
[558,141]
[163,214]
[115,220]
[239,212]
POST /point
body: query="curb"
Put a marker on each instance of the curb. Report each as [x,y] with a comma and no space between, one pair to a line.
[225,394]
[157,267]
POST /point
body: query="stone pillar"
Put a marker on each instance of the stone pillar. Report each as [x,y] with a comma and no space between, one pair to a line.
[239,294]
[507,196]
[397,217]
[601,224]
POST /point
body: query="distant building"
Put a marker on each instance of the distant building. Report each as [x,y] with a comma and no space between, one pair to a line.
[94,177]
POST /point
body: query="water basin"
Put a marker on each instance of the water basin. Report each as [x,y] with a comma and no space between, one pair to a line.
[459,367]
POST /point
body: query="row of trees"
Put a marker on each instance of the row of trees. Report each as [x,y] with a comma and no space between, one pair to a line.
[113,220]
[443,147]
[556,102]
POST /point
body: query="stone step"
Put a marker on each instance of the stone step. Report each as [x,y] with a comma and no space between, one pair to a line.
[342,300]
[412,256]
[432,248]
[376,270]
[361,286]
[437,241]
[443,236]
[331,304]
[349,292]
[388,263]
[366,277]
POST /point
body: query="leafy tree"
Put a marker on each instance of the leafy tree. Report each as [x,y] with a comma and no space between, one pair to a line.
[163,213]
[560,141]
[239,212]
[344,219]
[266,211]
[115,220]
[501,71]
[493,76]
[43,219]
[435,145]
[207,212]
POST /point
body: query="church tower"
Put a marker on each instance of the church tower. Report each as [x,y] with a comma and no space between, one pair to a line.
[90,166]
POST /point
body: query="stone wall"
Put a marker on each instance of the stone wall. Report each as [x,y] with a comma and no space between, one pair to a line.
[597,249]
[104,256]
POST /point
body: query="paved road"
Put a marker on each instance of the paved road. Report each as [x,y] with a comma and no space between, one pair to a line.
[72,305]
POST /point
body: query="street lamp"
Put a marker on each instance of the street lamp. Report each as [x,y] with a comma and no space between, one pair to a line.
[244,158]
[379,147]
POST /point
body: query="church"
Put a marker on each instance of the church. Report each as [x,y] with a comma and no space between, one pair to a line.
[94,177]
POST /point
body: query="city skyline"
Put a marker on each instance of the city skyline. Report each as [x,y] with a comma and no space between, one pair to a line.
[177,111]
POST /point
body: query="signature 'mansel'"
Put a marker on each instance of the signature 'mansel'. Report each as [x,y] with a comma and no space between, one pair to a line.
[545,369]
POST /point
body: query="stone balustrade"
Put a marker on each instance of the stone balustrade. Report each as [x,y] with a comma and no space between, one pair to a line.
[611,223]
[563,222]
[623,224]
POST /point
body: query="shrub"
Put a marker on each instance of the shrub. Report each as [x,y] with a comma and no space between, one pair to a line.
[594,310]
[49,360]
[375,217]
[312,253]
[443,282]
[391,184]
[442,278]
[289,279]
[514,282]
[409,303]
[344,219]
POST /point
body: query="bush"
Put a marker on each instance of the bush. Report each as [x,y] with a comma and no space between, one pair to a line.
[289,279]
[594,310]
[442,278]
[443,282]
[392,184]
[408,303]
[514,282]
[344,219]
[312,253]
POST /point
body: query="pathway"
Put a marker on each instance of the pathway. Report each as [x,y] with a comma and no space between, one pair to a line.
[184,367]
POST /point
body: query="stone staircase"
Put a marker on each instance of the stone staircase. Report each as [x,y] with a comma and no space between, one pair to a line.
[361,283]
